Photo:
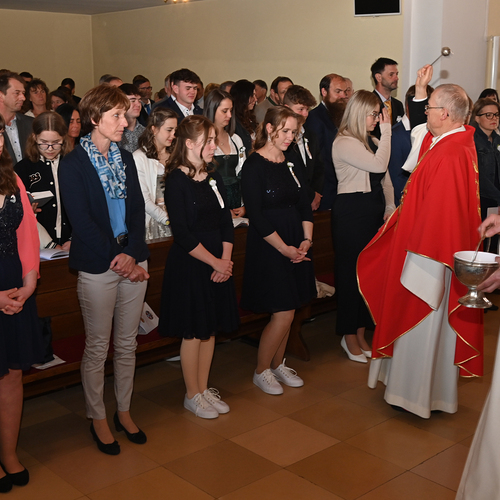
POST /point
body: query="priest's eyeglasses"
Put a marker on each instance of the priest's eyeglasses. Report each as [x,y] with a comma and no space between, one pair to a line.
[45,147]
[427,107]
[489,116]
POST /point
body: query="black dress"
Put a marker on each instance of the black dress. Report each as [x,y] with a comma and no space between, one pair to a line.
[192,305]
[274,202]
[20,334]
[356,218]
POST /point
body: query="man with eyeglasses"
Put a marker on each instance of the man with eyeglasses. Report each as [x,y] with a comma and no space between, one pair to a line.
[131,134]
[146,91]
[17,126]
[424,338]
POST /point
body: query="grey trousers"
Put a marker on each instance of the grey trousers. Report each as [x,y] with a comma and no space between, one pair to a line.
[108,300]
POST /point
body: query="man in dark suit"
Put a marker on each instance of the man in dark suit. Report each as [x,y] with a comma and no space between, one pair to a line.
[146,91]
[184,84]
[17,126]
[333,92]
[304,152]
[385,75]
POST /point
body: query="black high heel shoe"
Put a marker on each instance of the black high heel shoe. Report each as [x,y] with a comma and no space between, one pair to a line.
[110,448]
[5,484]
[17,478]
[136,437]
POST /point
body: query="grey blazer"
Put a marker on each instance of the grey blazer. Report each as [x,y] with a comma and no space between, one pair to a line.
[24,128]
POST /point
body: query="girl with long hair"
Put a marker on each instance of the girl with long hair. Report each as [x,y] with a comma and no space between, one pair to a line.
[45,148]
[198,296]
[279,276]
[230,153]
[365,199]
[20,335]
[155,147]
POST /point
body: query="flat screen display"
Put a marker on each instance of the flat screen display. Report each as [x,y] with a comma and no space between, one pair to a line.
[377,7]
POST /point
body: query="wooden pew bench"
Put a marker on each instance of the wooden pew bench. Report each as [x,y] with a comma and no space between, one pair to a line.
[57,298]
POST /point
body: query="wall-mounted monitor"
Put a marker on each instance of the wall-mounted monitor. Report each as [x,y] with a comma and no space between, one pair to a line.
[377,7]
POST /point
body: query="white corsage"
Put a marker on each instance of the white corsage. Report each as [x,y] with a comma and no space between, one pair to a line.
[290,166]
[306,147]
[213,184]
[242,151]
[13,198]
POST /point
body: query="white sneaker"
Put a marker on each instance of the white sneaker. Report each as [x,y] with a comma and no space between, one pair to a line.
[267,382]
[287,375]
[212,396]
[200,406]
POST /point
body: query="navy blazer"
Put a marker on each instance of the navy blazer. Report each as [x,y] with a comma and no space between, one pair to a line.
[320,123]
[400,149]
[93,245]
[313,171]
[168,102]
[24,129]
[398,110]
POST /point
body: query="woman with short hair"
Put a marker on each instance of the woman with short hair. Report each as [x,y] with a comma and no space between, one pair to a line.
[102,196]
[37,95]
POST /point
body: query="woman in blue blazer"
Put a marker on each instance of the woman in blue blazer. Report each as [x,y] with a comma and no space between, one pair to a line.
[100,190]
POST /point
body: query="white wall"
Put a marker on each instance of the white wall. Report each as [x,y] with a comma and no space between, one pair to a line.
[233,39]
[48,45]
[458,24]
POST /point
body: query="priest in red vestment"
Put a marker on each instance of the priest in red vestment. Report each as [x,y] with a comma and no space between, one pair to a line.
[423,337]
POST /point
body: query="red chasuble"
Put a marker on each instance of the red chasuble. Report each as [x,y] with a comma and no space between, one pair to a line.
[438,216]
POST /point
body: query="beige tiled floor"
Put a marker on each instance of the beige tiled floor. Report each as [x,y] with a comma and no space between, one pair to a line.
[332,439]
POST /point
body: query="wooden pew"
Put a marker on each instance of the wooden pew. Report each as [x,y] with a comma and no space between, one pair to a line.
[57,298]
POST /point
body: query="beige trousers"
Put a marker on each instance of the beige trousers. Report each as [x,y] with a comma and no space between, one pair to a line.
[108,300]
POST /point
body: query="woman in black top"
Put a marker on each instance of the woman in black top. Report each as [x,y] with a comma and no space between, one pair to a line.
[198,296]
[485,119]
[243,93]
[279,275]
[39,172]
[230,153]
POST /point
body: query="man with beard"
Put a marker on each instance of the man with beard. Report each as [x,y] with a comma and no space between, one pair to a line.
[386,76]
[278,89]
[323,121]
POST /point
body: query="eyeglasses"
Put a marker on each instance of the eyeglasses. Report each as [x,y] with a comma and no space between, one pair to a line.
[427,107]
[146,88]
[489,116]
[45,147]
[374,115]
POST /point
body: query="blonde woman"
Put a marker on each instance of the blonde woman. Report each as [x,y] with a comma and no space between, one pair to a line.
[365,199]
